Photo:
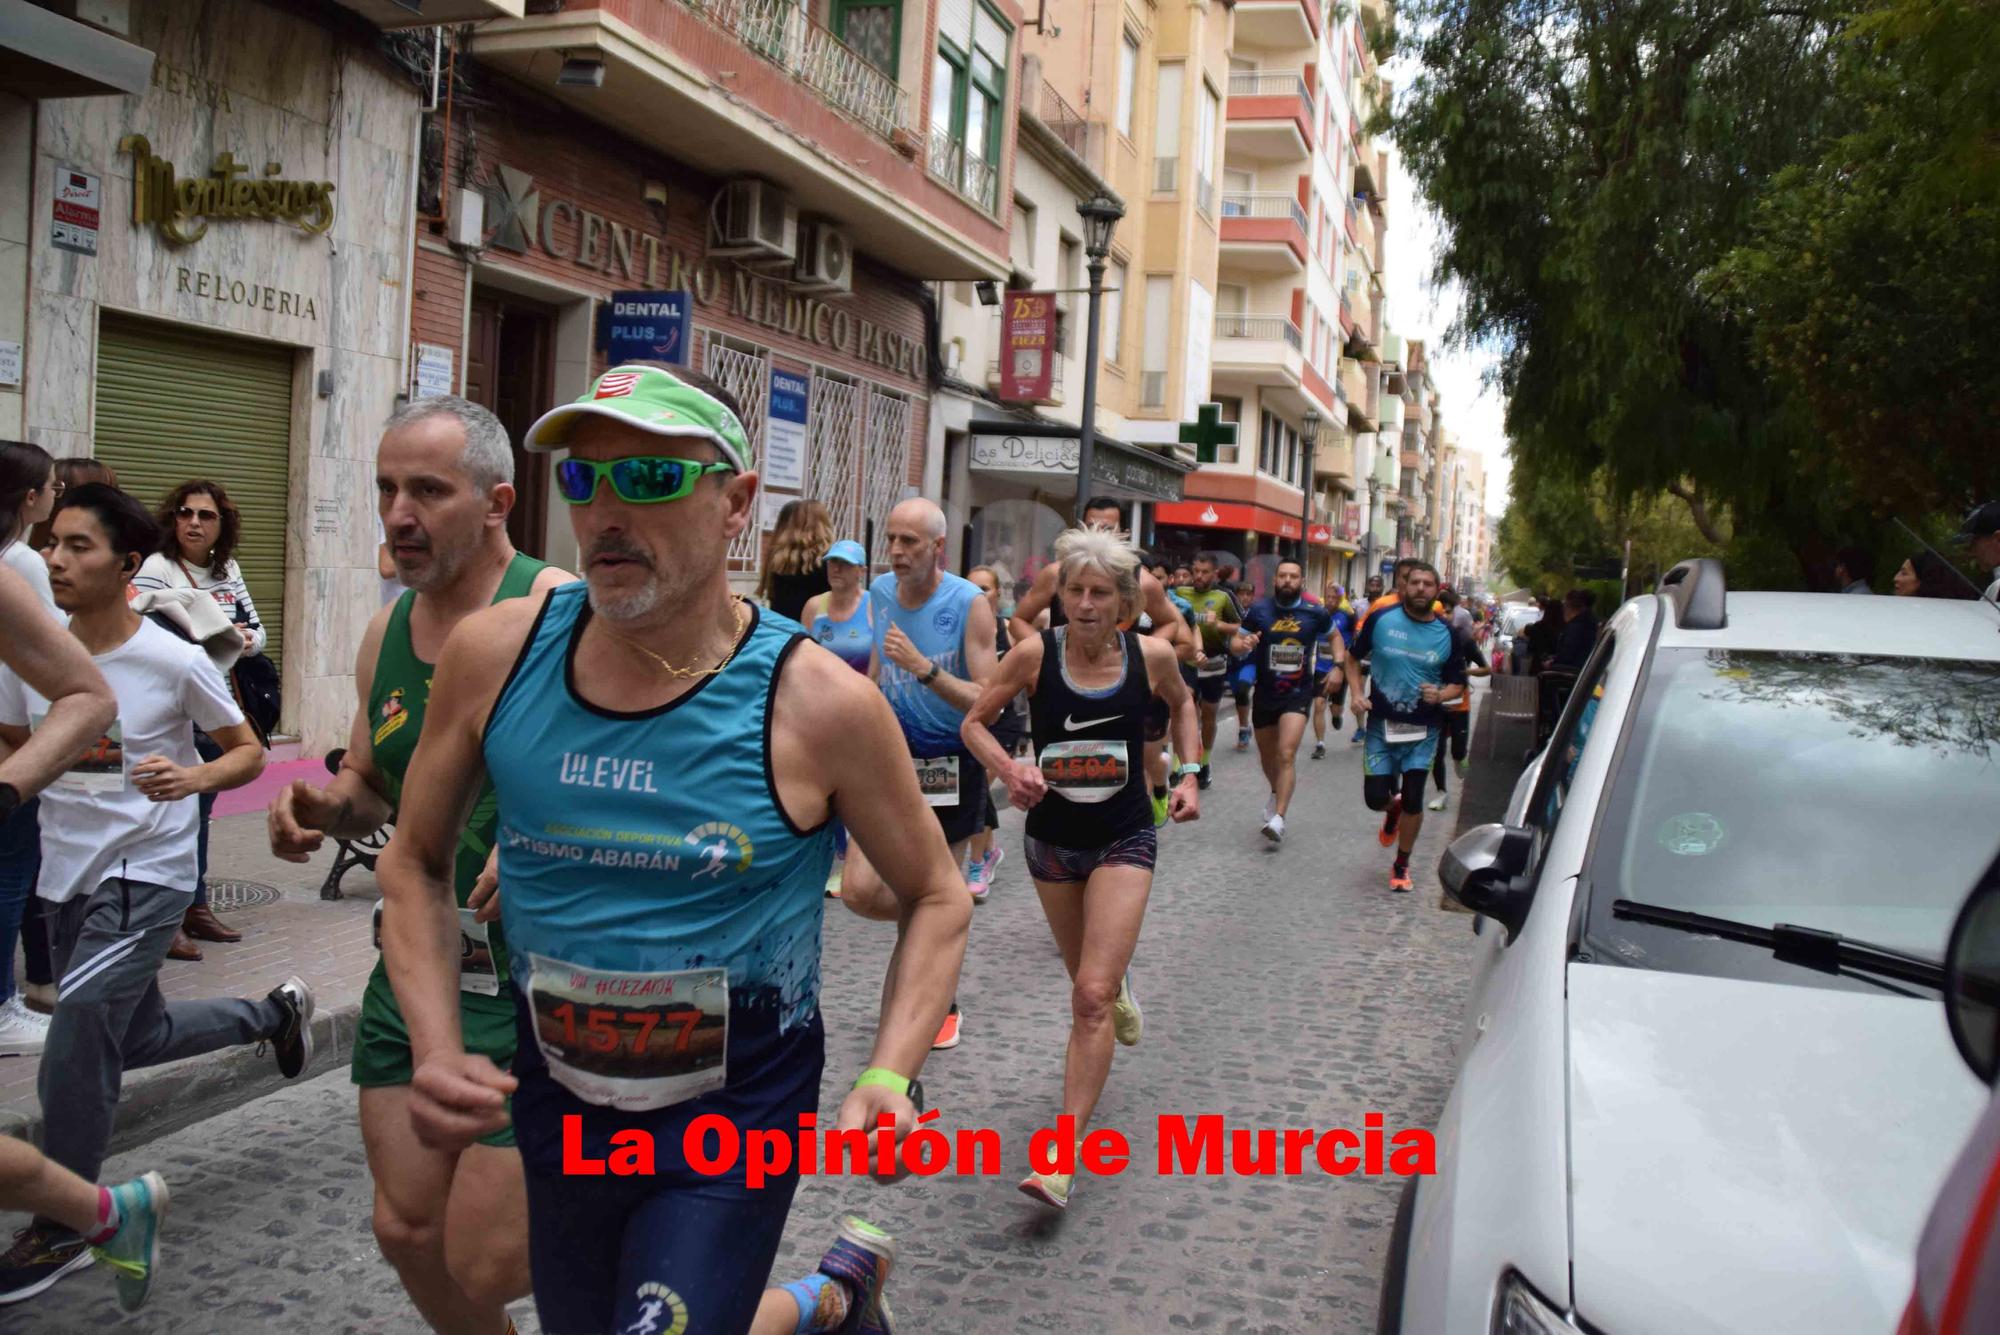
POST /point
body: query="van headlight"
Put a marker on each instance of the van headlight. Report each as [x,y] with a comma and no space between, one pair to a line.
[1522,1311]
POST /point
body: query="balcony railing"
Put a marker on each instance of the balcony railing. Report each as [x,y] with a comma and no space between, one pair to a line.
[1065,120]
[782,33]
[1268,204]
[1270,83]
[1166,175]
[1233,324]
[967,173]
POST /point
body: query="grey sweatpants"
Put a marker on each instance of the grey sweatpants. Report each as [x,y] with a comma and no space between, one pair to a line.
[110,1016]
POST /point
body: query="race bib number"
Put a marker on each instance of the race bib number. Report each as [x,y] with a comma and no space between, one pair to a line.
[1213,666]
[1402,734]
[1086,771]
[476,973]
[1287,657]
[636,1041]
[938,778]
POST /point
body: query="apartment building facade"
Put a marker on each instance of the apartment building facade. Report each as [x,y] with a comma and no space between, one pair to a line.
[1299,321]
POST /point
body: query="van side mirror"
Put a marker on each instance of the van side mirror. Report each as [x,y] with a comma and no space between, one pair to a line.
[1485,869]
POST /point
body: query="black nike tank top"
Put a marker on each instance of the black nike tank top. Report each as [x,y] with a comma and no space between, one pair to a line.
[1091,749]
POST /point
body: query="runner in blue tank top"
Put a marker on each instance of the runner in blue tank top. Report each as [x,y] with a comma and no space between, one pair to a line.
[666,760]
[838,620]
[1417,670]
[934,651]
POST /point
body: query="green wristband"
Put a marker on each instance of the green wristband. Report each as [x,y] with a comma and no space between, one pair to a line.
[882,1075]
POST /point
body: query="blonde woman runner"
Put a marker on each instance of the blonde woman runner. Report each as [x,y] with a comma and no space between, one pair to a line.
[1091,843]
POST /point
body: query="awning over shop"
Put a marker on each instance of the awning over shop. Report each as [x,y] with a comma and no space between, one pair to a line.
[1123,471]
[1246,518]
[43,54]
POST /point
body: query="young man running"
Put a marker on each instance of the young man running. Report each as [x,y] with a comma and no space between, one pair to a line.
[1280,636]
[666,760]
[1417,671]
[121,1223]
[1217,618]
[454,1226]
[934,649]
[118,861]
[1091,843]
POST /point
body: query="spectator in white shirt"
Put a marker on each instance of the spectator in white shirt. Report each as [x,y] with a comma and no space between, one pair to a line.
[201,527]
[28,491]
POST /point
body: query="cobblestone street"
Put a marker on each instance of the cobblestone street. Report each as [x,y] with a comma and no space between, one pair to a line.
[1281,988]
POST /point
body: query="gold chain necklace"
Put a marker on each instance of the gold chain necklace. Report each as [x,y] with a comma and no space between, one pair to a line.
[689,673]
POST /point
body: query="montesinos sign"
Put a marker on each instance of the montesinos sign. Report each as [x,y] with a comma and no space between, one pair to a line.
[181,206]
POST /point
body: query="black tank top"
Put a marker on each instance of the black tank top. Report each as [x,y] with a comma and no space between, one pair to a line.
[1091,749]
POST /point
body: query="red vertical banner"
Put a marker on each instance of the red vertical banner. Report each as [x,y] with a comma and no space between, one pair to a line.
[1027,347]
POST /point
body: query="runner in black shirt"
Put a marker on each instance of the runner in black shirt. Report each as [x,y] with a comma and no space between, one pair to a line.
[1280,636]
[1091,842]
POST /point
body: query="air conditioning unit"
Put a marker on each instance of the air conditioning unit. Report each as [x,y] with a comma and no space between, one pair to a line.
[753,220]
[826,261]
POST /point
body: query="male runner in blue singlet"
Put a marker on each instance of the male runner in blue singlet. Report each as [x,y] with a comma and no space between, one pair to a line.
[1417,671]
[934,651]
[632,726]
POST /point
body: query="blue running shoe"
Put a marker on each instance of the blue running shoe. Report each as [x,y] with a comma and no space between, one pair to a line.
[860,1259]
[134,1250]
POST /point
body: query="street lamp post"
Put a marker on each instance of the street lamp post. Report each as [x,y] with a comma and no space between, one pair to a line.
[1100,213]
[1309,433]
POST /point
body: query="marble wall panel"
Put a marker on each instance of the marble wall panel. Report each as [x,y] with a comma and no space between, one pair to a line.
[61,361]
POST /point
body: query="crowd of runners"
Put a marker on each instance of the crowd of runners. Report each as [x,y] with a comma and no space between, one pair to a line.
[622,804]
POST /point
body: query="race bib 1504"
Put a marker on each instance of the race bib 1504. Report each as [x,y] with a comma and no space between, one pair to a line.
[1085,770]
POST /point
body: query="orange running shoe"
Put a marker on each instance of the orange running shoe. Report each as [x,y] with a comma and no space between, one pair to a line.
[948,1033]
[1392,818]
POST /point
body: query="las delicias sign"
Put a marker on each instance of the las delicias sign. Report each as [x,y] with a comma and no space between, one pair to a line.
[171,202]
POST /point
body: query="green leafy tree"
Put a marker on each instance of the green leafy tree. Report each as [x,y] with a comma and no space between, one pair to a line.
[1589,163]
[1871,276]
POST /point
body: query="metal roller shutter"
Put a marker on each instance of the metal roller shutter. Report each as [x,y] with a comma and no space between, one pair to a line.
[175,404]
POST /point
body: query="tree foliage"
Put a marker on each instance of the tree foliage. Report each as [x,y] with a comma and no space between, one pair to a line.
[1651,211]
[1871,276]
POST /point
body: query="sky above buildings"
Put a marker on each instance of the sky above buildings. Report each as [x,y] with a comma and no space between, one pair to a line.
[1418,308]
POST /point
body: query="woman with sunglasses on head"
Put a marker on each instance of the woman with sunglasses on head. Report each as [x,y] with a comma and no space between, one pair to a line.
[200,554]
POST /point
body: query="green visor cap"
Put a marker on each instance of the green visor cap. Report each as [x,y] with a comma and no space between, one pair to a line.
[655,401]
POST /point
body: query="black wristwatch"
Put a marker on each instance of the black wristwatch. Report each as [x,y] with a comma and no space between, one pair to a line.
[930,676]
[10,800]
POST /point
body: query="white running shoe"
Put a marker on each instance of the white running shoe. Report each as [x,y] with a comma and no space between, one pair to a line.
[1438,803]
[1274,828]
[22,1031]
[1270,807]
[1127,1020]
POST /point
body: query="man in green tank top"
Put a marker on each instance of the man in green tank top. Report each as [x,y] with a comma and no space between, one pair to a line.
[454,1226]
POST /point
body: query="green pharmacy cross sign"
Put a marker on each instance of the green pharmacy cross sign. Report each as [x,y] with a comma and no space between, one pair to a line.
[1207,431]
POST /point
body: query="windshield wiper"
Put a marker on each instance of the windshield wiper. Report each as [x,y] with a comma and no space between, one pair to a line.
[1828,952]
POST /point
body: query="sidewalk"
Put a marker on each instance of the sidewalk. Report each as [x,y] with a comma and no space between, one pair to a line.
[287,929]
